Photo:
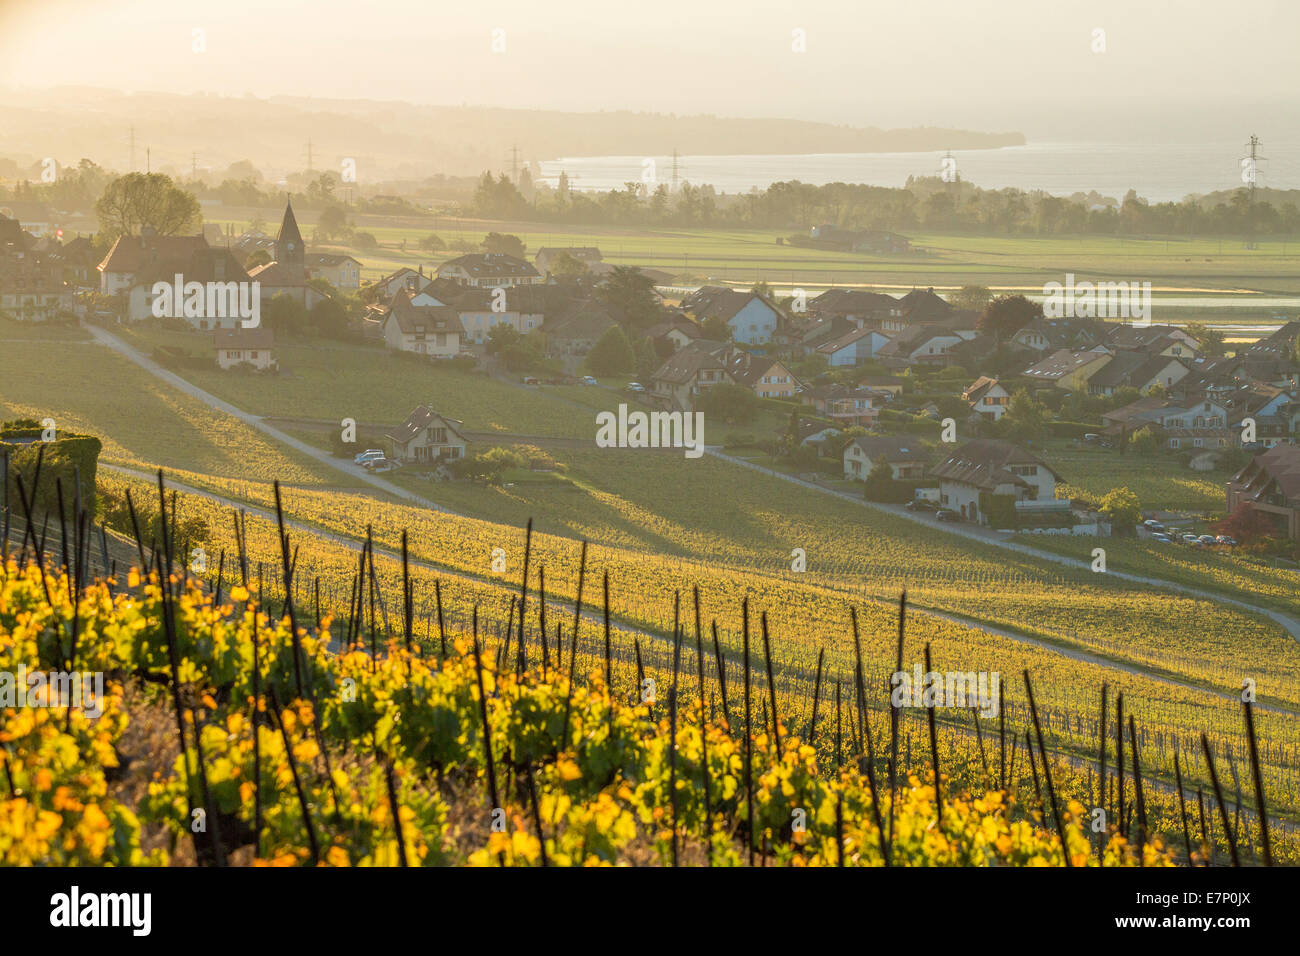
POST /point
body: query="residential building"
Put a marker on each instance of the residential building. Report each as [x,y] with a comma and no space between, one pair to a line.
[424,329]
[1270,483]
[688,371]
[846,406]
[765,377]
[241,346]
[489,270]
[403,278]
[905,456]
[31,284]
[1139,370]
[752,318]
[678,332]
[341,271]
[987,467]
[987,398]
[427,437]
[853,348]
[523,308]
[1069,369]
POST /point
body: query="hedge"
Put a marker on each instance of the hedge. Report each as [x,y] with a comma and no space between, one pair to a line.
[66,458]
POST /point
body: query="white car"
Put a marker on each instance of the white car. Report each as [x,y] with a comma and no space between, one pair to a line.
[370,454]
[589,380]
[635,387]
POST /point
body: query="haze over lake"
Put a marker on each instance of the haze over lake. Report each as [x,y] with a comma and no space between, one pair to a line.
[1159,172]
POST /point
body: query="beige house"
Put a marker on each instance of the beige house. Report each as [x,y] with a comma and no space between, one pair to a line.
[987,398]
[1069,369]
[424,329]
[342,272]
[237,346]
[426,436]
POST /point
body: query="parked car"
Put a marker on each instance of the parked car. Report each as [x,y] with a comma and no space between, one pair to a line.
[1227,539]
[368,455]
[1207,540]
[589,380]
[382,464]
[1162,538]
[1091,436]
[635,387]
[1191,539]
[1151,524]
[532,380]
[945,515]
[919,504]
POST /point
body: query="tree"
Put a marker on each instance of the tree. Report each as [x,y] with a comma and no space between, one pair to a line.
[1247,524]
[1026,418]
[881,485]
[283,314]
[431,243]
[567,267]
[515,351]
[1145,441]
[138,201]
[258,257]
[612,354]
[333,224]
[630,294]
[496,242]
[973,297]
[1210,340]
[1007,315]
[329,318]
[733,404]
[1121,507]
[366,241]
[716,329]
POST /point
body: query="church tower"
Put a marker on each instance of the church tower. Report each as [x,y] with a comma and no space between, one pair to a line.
[289,249]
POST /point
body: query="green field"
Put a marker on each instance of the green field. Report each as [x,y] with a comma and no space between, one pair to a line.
[1175,265]
[1160,481]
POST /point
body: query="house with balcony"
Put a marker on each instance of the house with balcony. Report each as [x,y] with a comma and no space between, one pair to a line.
[427,437]
[971,475]
[845,405]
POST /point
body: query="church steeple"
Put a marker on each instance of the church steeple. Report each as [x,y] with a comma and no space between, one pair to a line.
[288,244]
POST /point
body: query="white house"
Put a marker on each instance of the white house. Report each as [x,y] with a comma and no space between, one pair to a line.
[426,436]
[426,330]
[992,467]
[987,397]
[905,456]
[238,346]
[751,318]
[489,270]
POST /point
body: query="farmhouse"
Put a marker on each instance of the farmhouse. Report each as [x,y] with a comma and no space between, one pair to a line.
[240,346]
[905,457]
[981,469]
[1137,370]
[426,436]
[1271,484]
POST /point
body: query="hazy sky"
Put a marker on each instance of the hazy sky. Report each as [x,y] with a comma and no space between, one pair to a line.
[1170,69]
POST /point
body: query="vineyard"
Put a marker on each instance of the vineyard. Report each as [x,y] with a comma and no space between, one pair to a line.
[303,700]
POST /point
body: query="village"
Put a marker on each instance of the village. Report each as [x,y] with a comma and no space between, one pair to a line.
[953,405]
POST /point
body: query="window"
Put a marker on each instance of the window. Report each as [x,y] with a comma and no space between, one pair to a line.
[1024,469]
[1198,443]
[1173,443]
